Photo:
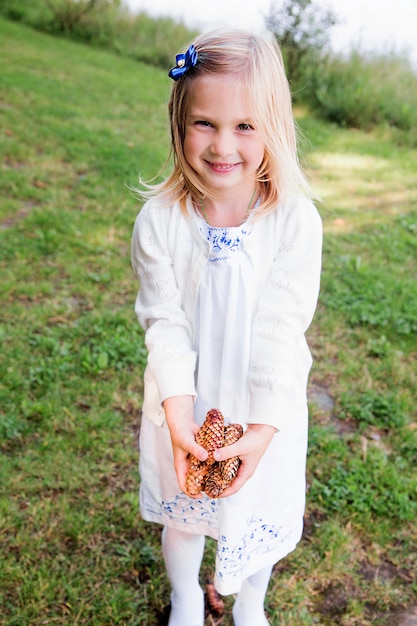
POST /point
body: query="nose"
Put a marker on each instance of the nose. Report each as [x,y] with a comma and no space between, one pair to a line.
[222,144]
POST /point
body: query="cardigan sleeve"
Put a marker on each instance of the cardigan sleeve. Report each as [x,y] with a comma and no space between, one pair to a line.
[280,359]
[168,334]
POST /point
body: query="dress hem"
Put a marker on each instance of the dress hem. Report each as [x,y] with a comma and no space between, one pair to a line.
[225,588]
[196,527]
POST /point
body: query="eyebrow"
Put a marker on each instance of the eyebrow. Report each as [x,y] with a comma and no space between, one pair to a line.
[200,115]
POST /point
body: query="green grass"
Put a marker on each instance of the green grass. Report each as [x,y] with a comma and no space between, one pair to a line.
[77,127]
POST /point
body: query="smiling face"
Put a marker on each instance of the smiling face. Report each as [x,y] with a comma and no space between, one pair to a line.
[221,144]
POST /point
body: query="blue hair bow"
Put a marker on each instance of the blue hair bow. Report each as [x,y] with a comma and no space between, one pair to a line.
[183,63]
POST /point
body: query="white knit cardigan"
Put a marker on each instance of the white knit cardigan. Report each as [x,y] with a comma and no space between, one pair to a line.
[168,256]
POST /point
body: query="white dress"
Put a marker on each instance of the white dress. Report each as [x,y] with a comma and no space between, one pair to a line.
[262,523]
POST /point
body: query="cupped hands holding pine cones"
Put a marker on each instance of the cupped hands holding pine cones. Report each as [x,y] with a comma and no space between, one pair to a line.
[211,476]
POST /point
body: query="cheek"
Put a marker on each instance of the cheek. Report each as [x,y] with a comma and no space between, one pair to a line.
[192,146]
[258,152]
[261,157]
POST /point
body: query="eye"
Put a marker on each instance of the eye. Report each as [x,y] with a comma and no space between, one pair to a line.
[202,123]
[245,126]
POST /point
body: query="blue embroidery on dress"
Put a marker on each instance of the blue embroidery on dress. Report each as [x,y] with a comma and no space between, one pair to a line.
[260,539]
[179,508]
[224,240]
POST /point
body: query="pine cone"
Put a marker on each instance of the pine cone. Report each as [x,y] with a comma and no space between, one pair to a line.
[214,482]
[196,476]
[210,476]
[232,432]
[229,468]
[222,474]
[214,601]
[210,436]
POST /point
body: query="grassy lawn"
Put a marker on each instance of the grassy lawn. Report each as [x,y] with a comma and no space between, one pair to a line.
[77,126]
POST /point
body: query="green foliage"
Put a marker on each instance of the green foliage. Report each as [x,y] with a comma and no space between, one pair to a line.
[367,295]
[366,90]
[302,29]
[373,408]
[372,487]
[32,13]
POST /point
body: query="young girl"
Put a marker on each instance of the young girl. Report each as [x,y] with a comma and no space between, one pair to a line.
[227,251]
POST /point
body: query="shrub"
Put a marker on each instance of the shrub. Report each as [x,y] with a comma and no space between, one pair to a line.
[366,90]
[32,13]
[302,30]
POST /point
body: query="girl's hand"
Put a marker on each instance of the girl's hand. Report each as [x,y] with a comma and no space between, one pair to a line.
[250,449]
[179,411]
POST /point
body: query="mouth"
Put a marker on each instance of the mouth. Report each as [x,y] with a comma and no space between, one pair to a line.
[222,167]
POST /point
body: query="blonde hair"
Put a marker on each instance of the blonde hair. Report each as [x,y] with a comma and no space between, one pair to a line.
[257,61]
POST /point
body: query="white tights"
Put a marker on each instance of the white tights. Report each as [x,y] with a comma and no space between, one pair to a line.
[183,553]
[248,608]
